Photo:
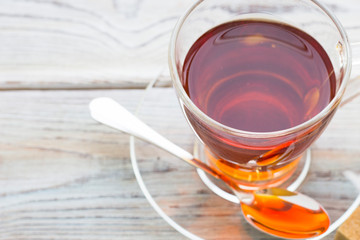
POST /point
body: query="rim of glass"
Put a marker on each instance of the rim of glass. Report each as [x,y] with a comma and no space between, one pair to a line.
[217,125]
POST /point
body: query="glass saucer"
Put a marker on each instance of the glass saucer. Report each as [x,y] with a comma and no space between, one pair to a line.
[178,195]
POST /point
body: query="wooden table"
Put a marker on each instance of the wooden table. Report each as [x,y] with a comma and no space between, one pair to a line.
[62,175]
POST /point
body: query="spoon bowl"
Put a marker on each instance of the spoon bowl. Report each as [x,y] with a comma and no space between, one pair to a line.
[286,214]
[275,211]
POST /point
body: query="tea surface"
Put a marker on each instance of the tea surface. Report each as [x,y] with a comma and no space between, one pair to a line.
[258,76]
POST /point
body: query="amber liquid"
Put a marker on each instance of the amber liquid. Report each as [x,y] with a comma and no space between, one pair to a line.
[257,76]
[279,216]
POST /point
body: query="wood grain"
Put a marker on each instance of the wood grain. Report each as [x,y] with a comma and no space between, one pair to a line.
[63,176]
[72,44]
[84,44]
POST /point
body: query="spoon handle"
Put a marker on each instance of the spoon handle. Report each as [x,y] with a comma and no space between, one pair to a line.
[109,112]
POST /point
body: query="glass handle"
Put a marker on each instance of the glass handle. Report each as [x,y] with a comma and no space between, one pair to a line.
[353,87]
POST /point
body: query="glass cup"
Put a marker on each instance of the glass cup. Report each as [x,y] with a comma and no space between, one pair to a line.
[259,159]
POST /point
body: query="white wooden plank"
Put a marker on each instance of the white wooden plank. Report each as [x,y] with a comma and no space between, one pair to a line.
[99,44]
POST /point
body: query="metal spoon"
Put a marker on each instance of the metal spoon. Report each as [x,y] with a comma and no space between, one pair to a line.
[275,211]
